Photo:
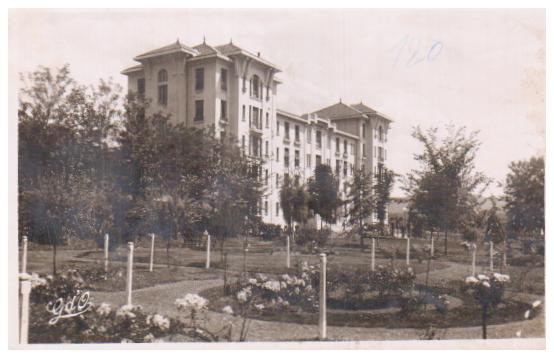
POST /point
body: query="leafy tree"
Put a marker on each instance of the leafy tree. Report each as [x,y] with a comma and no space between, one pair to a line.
[360,201]
[294,202]
[286,197]
[384,182]
[524,195]
[323,190]
[446,187]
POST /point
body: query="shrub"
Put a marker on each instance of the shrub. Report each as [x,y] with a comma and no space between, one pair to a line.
[312,237]
[269,231]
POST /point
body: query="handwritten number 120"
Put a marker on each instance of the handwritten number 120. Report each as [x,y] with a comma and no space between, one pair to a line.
[411,52]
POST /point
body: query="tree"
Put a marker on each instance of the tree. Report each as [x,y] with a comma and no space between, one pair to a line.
[360,201]
[446,187]
[294,202]
[524,195]
[323,190]
[384,182]
[286,196]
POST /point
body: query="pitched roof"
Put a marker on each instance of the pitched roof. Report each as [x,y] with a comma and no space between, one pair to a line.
[175,47]
[204,49]
[132,69]
[363,108]
[338,111]
[232,49]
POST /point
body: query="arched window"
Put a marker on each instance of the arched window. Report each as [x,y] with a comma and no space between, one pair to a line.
[162,87]
[255,86]
[381,133]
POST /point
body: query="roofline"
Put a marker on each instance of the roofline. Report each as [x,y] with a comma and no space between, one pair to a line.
[132,69]
[191,52]
[211,55]
[384,116]
[254,57]
[291,116]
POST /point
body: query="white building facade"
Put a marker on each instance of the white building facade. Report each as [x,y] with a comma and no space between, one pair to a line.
[235,92]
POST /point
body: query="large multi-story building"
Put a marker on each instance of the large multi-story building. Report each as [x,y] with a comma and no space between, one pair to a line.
[235,92]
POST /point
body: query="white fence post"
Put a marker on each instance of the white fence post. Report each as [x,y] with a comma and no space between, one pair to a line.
[473,259]
[323,298]
[24,255]
[25,280]
[288,251]
[208,243]
[153,238]
[131,247]
[432,245]
[106,251]
[407,251]
[372,254]
[491,254]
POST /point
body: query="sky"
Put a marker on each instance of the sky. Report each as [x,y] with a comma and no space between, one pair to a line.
[482,69]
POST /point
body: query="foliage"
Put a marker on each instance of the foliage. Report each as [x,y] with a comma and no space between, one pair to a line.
[294,201]
[524,195]
[360,201]
[446,187]
[323,189]
[306,236]
[384,181]
[269,231]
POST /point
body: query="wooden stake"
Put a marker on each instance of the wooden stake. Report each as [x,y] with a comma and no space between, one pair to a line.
[323,298]
[131,247]
[24,256]
[25,283]
[153,238]
[208,244]
[106,251]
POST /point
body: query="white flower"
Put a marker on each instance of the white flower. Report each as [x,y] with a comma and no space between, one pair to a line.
[259,307]
[149,338]
[536,304]
[527,314]
[470,280]
[191,301]
[272,285]
[252,281]
[287,278]
[501,278]
[261,277]
[481,277]
[125,311]
[296,291]
[161,322]
[486,284]
[37,281]
[244,294]
[126,340]
[518,333]
[104,309]
[283,285]
[227,309]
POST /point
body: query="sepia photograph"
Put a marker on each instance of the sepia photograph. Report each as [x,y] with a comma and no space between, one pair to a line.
[277,176]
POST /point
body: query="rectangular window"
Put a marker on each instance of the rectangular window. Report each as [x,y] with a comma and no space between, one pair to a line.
[337,145]
[266,148]
[309,135]
[265,208]
[286,157]
[317,160]
[267,119]
[318,139]
[363,130]
[363,149]
[277,154]
[162,95]
[345,147]
[337,168]
[277,180]
[224,79]
[199,79]
[223,109]
[296,158]
[278,127]
[243,144]
[243,112]
[297,133]
[287,130]
[266,177]
[345,169]
[141,87]
[277,208]
[199,110]
[309,161]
